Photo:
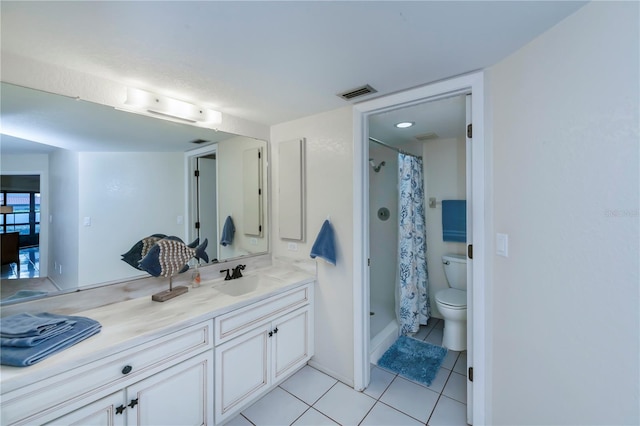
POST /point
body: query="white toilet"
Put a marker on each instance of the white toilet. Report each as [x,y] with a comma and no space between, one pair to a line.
[452,302]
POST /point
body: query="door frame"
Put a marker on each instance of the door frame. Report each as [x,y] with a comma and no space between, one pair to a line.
[191,193]
[470,83]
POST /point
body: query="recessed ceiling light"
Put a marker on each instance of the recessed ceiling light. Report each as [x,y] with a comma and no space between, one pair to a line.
[405,124]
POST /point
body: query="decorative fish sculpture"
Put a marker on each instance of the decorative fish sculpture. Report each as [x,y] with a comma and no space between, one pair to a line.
[170,256]
[142,247]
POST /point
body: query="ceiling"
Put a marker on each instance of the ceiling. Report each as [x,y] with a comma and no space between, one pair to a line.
[271,62]
[34,121]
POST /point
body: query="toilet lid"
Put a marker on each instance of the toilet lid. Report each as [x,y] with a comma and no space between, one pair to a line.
[452,297]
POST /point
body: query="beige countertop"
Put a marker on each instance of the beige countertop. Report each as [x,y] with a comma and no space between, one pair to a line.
[137,321]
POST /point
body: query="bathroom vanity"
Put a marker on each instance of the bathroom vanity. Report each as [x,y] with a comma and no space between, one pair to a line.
[197,359]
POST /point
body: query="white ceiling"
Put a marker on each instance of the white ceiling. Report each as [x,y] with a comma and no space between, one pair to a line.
[271,62]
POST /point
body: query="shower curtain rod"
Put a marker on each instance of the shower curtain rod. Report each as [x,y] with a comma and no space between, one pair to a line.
[394,148]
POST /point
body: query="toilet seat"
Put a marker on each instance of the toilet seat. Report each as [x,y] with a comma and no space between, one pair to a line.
[452,298]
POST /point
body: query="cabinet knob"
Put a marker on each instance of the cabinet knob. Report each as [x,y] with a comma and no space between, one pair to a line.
[271,334]
[275,330]
[127,369]
[120,409]
[133,403]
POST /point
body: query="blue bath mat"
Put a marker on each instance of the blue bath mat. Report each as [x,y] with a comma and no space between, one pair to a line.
[414,359]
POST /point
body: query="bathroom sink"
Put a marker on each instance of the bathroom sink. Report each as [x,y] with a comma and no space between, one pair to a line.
[244,285]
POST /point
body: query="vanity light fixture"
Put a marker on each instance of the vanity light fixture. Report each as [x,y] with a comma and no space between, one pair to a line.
[404,124]
[142,100]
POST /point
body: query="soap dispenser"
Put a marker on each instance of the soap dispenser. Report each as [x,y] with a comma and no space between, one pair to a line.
[195,277]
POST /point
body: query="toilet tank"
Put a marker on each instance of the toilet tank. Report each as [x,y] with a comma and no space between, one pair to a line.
[455,269]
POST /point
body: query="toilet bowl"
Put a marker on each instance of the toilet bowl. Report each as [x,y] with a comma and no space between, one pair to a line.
[452,302]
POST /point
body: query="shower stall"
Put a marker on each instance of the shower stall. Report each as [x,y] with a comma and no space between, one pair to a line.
[383,247]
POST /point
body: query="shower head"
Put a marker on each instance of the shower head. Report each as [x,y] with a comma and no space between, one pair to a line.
[373,165]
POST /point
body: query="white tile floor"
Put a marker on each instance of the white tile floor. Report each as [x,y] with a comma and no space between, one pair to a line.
[312,398]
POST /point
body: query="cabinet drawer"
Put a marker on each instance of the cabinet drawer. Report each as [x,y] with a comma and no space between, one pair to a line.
[34,403]
[234,323]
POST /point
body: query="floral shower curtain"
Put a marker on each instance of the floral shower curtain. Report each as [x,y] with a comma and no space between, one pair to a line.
[412,291]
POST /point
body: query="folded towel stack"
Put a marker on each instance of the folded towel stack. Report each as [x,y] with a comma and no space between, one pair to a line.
[26,339]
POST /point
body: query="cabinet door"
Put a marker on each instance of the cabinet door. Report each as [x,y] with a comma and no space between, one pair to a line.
[176,396]
[108,411]
[242,370]
[291,344]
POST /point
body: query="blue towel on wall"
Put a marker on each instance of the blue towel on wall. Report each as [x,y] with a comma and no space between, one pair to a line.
[454,220]
[228,230]
[325,245]
[24,356]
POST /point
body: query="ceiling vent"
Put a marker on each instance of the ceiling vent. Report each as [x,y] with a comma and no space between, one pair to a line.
[199,141]
[426,136]
[355,93]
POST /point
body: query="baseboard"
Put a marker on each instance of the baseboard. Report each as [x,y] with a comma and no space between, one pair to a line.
[346,380]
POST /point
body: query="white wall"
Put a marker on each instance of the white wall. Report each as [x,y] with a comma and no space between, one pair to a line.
[444,175]
[114,193]
[26,164]
[383,242]
[329,191]
[565,303]
[64,246]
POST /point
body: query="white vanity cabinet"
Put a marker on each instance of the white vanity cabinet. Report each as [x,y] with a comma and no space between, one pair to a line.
[167,380]
[197,360]
[260,345]
[176,396]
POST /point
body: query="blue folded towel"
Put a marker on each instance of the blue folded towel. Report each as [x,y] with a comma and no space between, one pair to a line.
[25,356]
[228,230]
[325,245]
[35,340]
[30,325]
[454,220]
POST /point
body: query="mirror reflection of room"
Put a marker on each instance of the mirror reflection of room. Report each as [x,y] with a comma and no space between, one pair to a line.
[121,171]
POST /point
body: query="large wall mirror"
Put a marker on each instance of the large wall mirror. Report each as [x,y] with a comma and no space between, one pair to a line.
[107,178]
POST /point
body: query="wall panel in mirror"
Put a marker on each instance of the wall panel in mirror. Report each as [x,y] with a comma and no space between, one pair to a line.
[291,180]
[234,203]
[252,191]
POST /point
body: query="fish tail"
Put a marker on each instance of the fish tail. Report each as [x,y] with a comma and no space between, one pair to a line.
[200,253]
[195,243]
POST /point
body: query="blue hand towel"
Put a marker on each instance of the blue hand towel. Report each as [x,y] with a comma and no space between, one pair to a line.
[325,245]
[454,220]
[30,325]
[25,356]
[228,230]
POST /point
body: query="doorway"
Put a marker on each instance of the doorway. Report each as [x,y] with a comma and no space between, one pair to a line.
[435,134]
[202,204]
[20,221]
[469,84]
